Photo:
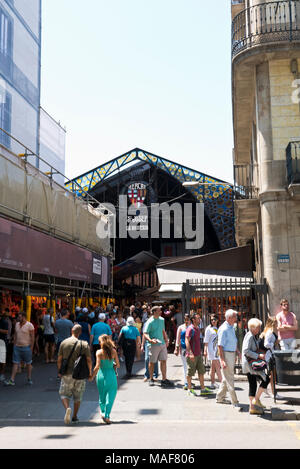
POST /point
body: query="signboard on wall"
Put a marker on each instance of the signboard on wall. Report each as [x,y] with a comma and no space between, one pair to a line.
[28,250]
[137,192]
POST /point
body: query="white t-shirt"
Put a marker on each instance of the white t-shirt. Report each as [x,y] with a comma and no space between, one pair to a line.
[211,339]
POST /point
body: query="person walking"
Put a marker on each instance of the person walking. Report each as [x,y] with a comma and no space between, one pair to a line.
[251,352]
[145,348]
[156,335]
[269,343]
[194,356]
[70,387]
[113,325]
[180,347]
[287,325]
[107,362]
[130,340]
[4,326]
[82,320]
[49,336]
[99,328]
[23,347]
[227,348]
[63,328]
[120,322]
[211,350]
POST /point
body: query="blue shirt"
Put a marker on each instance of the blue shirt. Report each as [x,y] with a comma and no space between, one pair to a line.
[130,332]
[98,329]
[85,334]
[63,329]
[227,338]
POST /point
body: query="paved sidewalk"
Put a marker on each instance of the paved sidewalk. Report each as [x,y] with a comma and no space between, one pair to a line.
[41,400]
[142,417]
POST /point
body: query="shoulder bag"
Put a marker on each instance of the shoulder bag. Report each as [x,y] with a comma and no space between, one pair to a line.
[65,362]
[257,364]
[81,369]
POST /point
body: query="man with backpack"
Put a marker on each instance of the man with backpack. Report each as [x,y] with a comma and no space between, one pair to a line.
[194,356]
[69,351]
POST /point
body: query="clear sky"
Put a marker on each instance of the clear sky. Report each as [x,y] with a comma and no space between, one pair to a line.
[153,74]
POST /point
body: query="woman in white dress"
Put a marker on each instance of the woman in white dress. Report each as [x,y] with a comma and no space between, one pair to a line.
[211,350]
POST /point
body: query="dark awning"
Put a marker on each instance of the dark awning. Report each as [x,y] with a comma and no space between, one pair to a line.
[141,262]
[237,260]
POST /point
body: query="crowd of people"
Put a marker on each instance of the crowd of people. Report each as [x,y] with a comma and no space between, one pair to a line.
[107,337]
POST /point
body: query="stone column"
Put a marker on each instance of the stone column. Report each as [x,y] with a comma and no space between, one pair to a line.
[272,196]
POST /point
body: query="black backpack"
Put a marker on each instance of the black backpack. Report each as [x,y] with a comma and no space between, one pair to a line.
[81,369]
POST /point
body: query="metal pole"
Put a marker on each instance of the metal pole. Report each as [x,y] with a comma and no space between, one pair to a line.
[188,296]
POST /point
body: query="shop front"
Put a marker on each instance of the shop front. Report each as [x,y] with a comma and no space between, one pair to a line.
[39,271]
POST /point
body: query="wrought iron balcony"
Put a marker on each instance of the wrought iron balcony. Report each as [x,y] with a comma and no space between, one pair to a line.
[266,23]
[244,182]
[293,163]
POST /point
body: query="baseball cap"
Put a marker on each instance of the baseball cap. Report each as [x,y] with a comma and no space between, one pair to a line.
[101,316]
[85,310]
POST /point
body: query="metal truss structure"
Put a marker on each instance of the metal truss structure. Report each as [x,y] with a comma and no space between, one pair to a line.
[217,195]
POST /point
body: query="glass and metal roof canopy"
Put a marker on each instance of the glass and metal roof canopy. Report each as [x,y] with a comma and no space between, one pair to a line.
[217,195]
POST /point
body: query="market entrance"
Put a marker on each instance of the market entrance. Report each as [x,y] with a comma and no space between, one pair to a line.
[215,296]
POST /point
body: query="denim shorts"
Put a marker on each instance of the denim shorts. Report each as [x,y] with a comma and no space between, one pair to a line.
[22,354]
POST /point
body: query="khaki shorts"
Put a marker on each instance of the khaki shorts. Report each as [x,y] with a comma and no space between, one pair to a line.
[70,387]
[195,365]
[158,353]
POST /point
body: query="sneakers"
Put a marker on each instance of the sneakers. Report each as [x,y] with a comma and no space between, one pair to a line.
[75,420]
[167,383]
[9,382]
[29,381]
[67,418]
[278,397]
[223,401]
[2,378]
[258,403]
[256,411]
[192,392]
[151,382]
[214,386]
[205,392]
[185,387]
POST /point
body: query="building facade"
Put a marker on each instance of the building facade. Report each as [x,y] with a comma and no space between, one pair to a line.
[20,87]
[266,122]
[49,249]
[52,146]
[20,71]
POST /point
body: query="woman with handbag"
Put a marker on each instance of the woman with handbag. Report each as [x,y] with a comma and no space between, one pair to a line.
[106,363]
[130,340]
[254,366]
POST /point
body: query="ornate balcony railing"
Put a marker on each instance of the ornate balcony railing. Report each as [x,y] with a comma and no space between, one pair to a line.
[244,182]
[266,23]
[293,163]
